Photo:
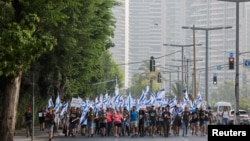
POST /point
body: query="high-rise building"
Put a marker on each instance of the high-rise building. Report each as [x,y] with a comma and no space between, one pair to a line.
[148,24]
[121,50]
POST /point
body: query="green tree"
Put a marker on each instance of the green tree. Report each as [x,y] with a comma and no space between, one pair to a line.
[141,80]
[225,92]
[176,88]
[70,36]
[22,41]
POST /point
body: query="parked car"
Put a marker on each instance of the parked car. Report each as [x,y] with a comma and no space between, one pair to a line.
[244,117]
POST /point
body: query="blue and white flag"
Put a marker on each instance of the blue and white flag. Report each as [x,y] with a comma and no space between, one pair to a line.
[83,119]
[129,101]
[64,108]
[50,103]
[57,104]
[172,102]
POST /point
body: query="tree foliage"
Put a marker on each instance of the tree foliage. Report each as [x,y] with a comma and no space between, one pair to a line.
[146,78]
[226,92]
[59,41]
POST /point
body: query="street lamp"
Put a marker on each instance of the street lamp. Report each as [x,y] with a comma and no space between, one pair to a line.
[182,56]
[206,29]
[237,57]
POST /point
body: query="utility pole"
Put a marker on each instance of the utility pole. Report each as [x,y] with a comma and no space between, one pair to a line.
[194,52]
[182,59]
[237,101]
[206,30]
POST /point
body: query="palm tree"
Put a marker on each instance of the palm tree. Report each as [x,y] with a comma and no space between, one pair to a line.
[176,88]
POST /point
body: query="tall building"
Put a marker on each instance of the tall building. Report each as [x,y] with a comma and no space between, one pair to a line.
[121,50]
[149,24]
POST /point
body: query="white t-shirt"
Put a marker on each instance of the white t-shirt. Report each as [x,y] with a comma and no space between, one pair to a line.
[225,114]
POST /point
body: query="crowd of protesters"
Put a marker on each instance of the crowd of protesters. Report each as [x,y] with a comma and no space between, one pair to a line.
[146,122]
[150,121]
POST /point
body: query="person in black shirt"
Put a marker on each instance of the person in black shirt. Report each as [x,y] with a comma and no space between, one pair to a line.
[166,115]
[141,122]
[41,116]
[202,120]
[28,121]
[194,122]
[73,119]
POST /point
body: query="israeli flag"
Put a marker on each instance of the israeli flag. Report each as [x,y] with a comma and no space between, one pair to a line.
[50,103]
[64,108]
[57,104]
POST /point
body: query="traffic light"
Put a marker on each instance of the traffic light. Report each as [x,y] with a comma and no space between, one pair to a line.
[152,64]
[215,80]
[159,78]
[231,63]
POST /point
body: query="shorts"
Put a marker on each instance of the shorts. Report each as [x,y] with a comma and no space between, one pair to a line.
[194,123]
[72,126]
[50,127]
[160,123]
[152,123]
[90,125]
[103,125]
[133,124]
[202,122]
[118,124]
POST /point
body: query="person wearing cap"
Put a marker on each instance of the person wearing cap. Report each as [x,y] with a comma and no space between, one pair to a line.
[28,121]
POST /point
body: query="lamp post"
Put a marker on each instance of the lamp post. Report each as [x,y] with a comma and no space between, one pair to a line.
[237,57]
[33,106]
[206,30]
[182,57]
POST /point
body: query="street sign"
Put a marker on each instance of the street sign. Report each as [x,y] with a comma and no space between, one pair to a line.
[246,63]
[219,67]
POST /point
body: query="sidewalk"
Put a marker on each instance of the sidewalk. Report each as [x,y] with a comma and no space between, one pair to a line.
[20,135]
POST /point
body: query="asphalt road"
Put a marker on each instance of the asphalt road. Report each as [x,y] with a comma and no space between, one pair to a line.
[42,136]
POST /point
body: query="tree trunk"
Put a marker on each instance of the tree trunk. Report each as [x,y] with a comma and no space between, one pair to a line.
[10,103]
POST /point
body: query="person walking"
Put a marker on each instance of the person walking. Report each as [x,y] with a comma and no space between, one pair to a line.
[28,121]
[225,116]
[41,117]
[185,121]
[134,121]
[166,115]
[117,122]
[50,122]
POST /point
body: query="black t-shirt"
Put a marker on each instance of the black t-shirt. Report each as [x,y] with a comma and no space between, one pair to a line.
[202,115]
[141,115]
[73,117]
[166,116]
[28,116]
[194,117]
